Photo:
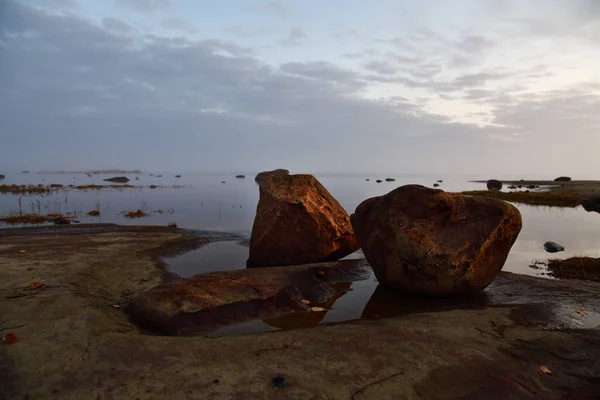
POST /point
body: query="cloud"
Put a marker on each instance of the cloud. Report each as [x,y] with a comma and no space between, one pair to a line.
[145,5]
[179,24]
[295,37]
[381,67]
[99,95]
[241,32]
[117,25]
[272,7]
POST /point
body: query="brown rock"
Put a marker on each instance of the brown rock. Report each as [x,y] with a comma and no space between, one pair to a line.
[298,222]
[427,241]
[262,175]
[216,299]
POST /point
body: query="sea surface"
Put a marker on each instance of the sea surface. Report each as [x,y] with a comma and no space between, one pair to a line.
[203,201]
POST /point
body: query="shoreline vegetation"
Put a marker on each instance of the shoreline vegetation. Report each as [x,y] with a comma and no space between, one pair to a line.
[583,188]
[52,188]
[584,268]
[551,199]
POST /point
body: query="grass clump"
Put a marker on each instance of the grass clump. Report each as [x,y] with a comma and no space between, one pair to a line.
[25,189]
[32,218]
[136,214]
[586,268]
[36,219]
[551,199]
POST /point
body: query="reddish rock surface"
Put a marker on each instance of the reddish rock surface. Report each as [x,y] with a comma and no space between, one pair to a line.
[262,175]
[216,299]
[298,222]
[427,241]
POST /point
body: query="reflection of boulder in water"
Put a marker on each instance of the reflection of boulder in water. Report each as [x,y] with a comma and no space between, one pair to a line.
[389,302]
[299,320]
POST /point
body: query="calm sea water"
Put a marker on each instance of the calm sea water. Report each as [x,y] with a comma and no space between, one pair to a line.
[204,202]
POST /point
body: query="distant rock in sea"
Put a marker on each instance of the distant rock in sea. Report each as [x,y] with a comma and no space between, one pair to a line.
[118,179]
[390,180]
[563,179]
[439,181]
[436,185]
[2,176]
[592,205]
[240,176]
[177,176]
[552,247]
[378,181]
[494,184]
[367,179]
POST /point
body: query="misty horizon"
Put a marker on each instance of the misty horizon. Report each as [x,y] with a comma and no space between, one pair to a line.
[504,89]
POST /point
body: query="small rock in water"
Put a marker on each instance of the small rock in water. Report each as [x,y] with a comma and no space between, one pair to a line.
[552,247]
[389,179]
[436,185]
[439,181]
[378,181]
[240,176]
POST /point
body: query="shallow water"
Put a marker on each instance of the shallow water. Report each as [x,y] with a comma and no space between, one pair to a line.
[206,203]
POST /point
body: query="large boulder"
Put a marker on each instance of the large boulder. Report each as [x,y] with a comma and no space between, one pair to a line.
[427,241]
[298,222]
[563,179]
[262,175]
[494,184]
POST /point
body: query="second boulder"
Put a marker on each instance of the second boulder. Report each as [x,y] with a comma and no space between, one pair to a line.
[298,222]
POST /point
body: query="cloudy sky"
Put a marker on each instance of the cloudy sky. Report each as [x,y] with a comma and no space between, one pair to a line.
[497,87]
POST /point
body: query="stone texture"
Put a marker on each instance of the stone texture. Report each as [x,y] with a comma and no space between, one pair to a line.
[298,222]
[427,241]
[262,175]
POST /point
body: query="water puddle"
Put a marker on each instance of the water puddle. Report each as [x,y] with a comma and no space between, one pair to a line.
[217,256]
[357,295]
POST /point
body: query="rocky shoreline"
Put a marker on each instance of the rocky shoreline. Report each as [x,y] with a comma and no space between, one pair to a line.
[85,347]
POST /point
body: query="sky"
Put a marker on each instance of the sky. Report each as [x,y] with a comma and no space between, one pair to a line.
[504,88]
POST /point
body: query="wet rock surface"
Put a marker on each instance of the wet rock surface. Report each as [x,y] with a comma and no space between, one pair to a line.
[427,241]
[298,222]
[73,344]
[208,301]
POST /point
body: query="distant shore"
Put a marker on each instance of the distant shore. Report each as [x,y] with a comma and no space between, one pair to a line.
[585,189]
[95,172]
